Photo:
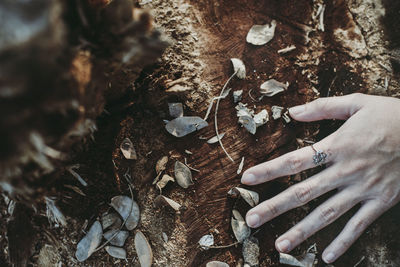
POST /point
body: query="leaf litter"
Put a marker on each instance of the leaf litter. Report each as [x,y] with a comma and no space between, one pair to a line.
[217,264]
[240,168]
[206,241]
[128,209]
[251,251]
[239,227]
[89,242]
[175,110]
[261,34]
[161,165]
[272,87]
[276,112]
[164,181]
[237,96]
[143,250]
[306,260]
[249,196]
[161,201]
[183,126]
[239,68]
[128,149]
[183,175]
[116,252]
[111,220]
[119,237]
[214,139]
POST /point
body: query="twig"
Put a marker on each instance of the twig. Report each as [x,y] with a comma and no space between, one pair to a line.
[216,113]
[358,263]
[193,169]
[255,100]
[76,175]
[226,246]
[122,225]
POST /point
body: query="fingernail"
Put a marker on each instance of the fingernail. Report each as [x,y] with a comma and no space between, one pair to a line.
[248,178]
[296,110]
[253,220]
[330,257]
[284,245]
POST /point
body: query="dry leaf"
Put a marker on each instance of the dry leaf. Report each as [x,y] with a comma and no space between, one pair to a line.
[164,237]
[214,139]
[89,242]
[261,34]
[111,220]
[272,87]
[261,118]
[287,49]
[143,250]
[161,164]
[276,112]
[183,175]
[239,68]
[161,201]
[248,123]
[115,252]
[250,197]
[123,204]
[119,238]
[175,109]
[243,110]
[164,181]
[206,241]
[217,264]
[286,117]
[306,260]
[251,251]
[239,170]
[237,95]
[127,149]
[239,227]
[182,126]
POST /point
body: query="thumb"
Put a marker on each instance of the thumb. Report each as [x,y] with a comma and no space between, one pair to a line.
[339,107]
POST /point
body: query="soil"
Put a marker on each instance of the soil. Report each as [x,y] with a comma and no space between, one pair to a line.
[204,36]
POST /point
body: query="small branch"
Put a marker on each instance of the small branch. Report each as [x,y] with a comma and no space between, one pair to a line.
[216,113]
[226,246]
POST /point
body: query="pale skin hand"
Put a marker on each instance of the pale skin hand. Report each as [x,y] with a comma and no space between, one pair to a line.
[363,165]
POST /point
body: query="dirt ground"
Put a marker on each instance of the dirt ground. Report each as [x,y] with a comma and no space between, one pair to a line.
[352,54]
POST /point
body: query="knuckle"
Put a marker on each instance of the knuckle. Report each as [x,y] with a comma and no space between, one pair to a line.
[299,233]
[345,243]
[327,214]
[358,224]
[271,209]
[294,163]
[322,103]
[303,193]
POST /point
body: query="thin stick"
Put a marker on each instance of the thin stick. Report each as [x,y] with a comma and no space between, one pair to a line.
[216,113]
[122,225]
[226,246]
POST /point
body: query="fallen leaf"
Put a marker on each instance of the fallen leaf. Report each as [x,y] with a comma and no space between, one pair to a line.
[239,170]
[217,264]
[261,118]
[127,149]
[239,68]
[161,164]
[89,242]
[272,87]
[175,109]
[251,251]
[164,181]
[214,139]
[111,220]
[123,204]
[249,196]
[237,95]
[161,201]
[306,260]
[248,123]
[183,175]
[276,112]
[239,227]
[119,238]
[261,34]
[143,250]
[286,117]
[243,110]
[182,126]
[116,252]
[206,241]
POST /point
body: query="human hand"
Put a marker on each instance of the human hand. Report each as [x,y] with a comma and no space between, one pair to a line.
[363,164]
